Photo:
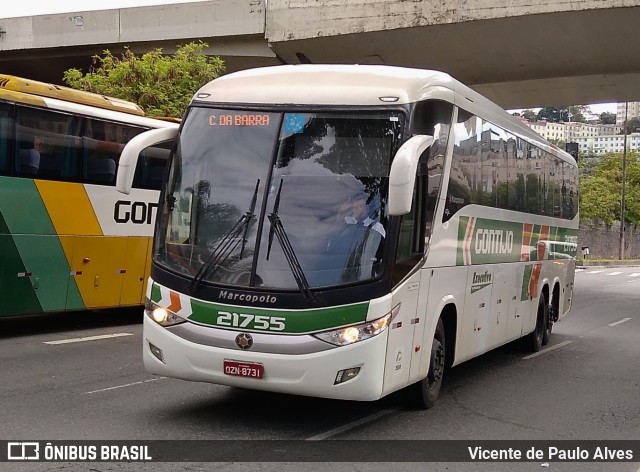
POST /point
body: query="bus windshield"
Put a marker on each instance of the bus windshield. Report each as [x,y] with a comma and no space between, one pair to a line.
[264,199]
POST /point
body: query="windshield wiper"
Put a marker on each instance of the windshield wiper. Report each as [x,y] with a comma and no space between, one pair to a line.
[228,243]
[287,249]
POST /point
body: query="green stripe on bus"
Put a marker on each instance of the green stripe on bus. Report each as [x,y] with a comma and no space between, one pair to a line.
[44,258]
[22,207]
[155,293]
[495,241]
[16,293]
[295,322]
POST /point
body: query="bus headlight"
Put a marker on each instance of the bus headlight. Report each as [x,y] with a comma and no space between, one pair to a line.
[360,332]
[160,315]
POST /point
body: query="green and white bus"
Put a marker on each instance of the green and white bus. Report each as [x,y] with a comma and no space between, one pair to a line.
[68,240]
[349,231]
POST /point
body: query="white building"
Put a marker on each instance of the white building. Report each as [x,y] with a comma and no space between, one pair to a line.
[612,143]
[634,112]
[549,130]
[570,132]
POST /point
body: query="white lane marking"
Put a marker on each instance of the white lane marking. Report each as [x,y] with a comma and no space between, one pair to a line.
[619,322]
[635,274]
[353,424]
[123,386]
[614,273]
[594,271]
[549,349]
[88,338]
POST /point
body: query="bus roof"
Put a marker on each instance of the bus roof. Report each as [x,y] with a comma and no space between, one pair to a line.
[32,87]
[359,85]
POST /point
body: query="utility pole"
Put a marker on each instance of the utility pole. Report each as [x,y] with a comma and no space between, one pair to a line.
[624,180]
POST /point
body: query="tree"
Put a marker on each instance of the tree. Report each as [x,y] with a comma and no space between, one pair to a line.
[573,113]
[549,114]
[607,118]
[530,115]
[633,125]
[162,85]
[576,113]
[600,191]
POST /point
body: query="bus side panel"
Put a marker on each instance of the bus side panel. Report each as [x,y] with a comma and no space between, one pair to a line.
[502,297]
[135,262]
[29,236]
[16,293]
[74,299]
[516,308]
[101,261]
[476,323]
[44,259]
[401,355]
[443,292]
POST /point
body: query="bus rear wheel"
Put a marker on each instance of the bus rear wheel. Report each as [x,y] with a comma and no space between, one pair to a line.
[425,392]
[536,339]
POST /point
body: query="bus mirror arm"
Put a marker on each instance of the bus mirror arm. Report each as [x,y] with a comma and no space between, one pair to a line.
[402,176]
[129,157]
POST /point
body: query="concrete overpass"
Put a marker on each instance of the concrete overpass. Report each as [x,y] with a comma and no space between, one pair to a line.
[516,52]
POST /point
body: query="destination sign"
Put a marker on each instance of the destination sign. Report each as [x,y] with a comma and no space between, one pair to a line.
[240,119]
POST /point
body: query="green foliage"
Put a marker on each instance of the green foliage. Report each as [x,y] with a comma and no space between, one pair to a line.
[162,85]
[574,114]
[607,118]
[600,191]
[633,125]
[549,114]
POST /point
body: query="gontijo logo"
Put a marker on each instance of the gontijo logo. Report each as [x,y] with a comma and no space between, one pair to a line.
[494,241]
[140,213]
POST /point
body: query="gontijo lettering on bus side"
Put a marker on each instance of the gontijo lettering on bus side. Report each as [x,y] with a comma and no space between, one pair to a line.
[485,241]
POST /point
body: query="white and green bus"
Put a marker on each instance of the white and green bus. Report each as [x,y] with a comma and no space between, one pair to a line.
[349,231]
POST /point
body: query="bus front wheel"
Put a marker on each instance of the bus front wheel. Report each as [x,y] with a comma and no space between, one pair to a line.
[425,392]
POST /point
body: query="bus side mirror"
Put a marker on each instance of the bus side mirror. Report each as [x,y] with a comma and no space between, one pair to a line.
[403,174]
[130,153]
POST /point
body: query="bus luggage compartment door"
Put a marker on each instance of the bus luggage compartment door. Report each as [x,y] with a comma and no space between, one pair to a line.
[98,264]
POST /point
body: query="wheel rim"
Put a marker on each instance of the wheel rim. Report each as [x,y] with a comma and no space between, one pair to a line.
[436,367]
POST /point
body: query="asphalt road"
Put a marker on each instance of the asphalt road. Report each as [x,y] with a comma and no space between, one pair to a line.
[585,385]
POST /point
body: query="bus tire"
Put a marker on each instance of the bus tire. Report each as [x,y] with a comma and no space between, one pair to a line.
[424,393]
[546,334]
[535,339]
[552,317]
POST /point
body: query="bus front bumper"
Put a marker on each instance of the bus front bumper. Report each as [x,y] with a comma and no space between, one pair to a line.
[312,374]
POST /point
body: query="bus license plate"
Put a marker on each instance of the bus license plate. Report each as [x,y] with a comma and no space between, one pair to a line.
[244,369]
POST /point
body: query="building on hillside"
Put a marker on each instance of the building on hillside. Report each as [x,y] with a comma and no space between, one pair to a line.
[600,145]
[549,130]
[634,112]
[570,132]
